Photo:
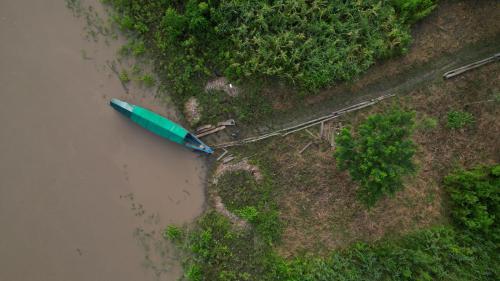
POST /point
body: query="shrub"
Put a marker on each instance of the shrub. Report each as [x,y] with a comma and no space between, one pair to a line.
[414,10]
[475,196]
[379,154]
[459,119]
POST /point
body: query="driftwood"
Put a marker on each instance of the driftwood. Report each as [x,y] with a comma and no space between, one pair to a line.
[471,66]
[299,127]
[228,159]
[222,155]
[209,132]
[229,122]
[204,128]
[305,147]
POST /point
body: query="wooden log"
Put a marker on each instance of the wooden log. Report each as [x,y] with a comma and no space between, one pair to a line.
[209,132]
[204,128]
[229,122]
[222,155]
[305,147]
[471,66]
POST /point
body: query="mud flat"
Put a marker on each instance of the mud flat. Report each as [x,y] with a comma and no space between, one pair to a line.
[84,193]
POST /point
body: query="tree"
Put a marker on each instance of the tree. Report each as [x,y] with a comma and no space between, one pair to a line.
[379,154]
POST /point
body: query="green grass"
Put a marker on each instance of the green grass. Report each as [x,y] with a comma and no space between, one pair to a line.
[252,200]
[459,119]
[216,251]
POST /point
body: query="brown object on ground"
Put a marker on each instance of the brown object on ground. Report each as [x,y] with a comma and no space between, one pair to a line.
[204,128]
[229,122]
[228,159]
[471,66]
[305,147]
[209,132]
[222,84]
[242,165]
[192,110]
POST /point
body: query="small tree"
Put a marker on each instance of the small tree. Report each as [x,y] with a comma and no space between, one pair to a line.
[379,154]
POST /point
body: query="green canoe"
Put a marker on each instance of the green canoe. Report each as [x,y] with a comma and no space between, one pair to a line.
[160,125]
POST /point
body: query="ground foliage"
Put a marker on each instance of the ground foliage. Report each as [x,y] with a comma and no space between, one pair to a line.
[459,119]
[253,201]
[475,195]
[308,44]
[379,154]
[216,251]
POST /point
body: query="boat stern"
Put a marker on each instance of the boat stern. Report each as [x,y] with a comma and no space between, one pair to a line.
[196,144]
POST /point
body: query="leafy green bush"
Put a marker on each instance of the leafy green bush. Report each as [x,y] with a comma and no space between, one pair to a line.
[379,154]
[475,195]
[414,10]
[459,119]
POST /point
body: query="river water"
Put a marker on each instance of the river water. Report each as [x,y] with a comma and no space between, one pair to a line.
[84,192]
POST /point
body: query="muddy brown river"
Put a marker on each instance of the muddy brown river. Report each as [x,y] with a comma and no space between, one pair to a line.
[84,192]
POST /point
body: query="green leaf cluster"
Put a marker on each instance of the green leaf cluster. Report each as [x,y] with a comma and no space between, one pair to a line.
[414,10]
[475,196]
[379,154]
[459,119]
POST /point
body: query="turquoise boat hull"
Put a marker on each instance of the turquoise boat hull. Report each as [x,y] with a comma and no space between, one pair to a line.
[160,125]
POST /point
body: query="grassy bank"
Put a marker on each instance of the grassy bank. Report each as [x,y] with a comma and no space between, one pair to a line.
[432,228]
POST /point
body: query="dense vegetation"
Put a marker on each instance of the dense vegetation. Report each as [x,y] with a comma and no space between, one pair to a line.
[475,196]
[216,250]
[379,154]
[309,44]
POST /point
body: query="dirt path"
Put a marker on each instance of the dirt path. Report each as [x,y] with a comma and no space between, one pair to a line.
[84,192]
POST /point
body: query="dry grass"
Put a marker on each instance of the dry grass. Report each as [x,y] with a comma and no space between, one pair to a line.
[318,202]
